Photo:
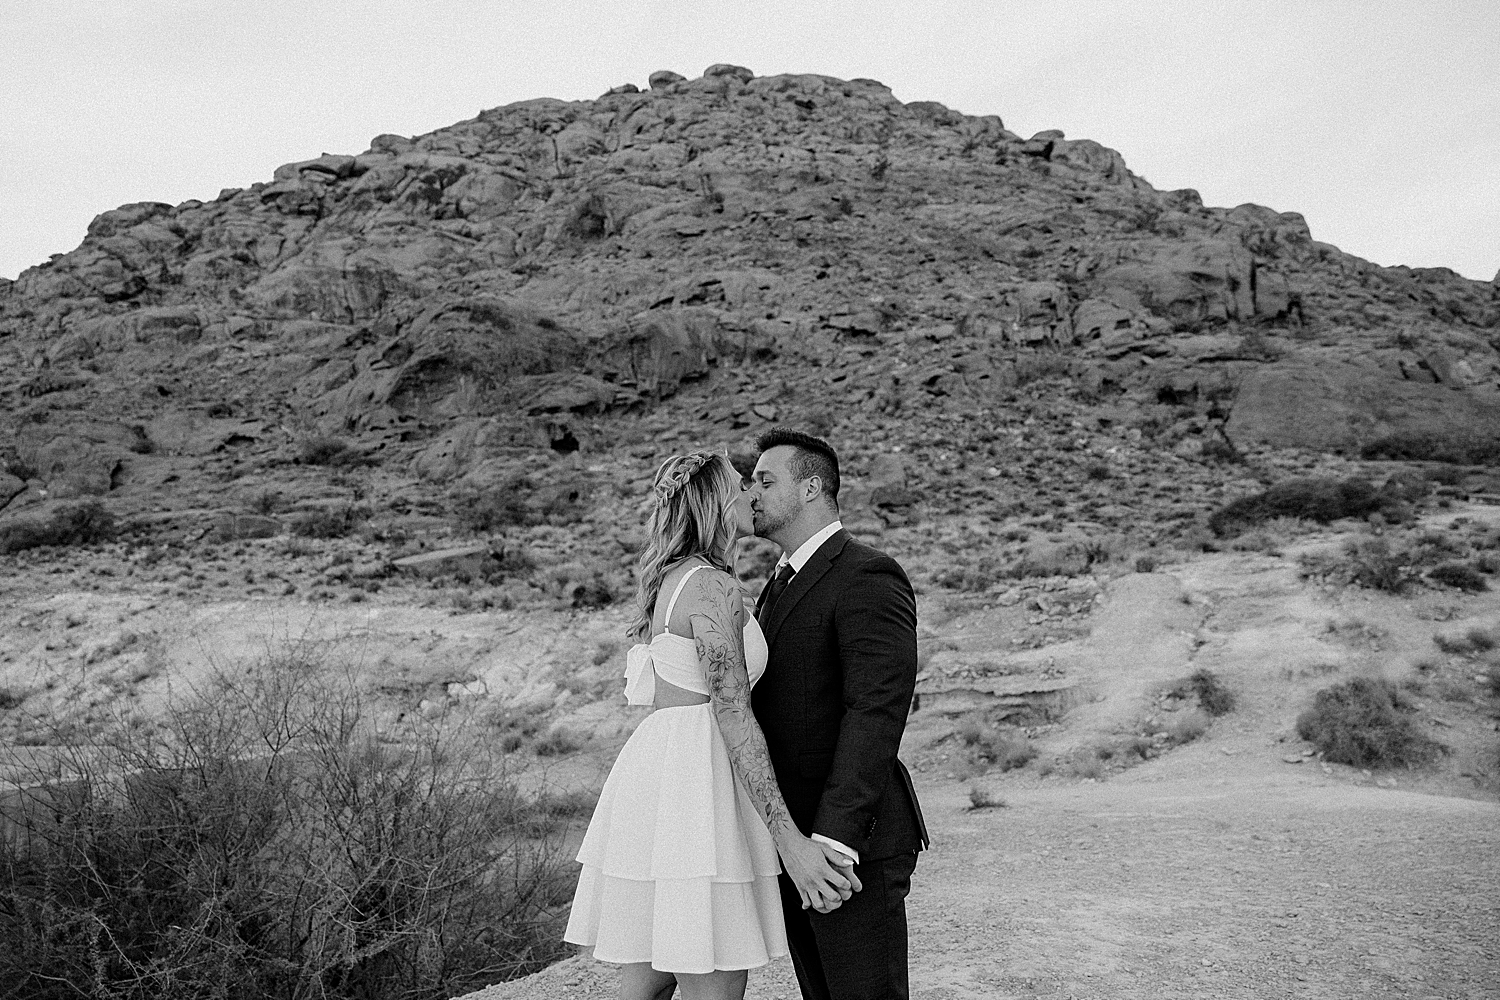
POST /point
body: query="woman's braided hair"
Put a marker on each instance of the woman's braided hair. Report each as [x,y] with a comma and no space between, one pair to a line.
[682,469]
[689,517]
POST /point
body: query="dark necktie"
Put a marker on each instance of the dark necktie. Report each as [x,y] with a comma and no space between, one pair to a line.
[773,592]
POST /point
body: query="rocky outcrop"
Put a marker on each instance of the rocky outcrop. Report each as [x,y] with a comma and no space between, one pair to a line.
[550,266]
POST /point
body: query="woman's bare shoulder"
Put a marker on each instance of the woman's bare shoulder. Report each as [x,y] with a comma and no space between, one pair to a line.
[713,589]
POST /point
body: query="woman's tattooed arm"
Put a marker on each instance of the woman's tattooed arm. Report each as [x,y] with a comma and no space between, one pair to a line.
[717,628]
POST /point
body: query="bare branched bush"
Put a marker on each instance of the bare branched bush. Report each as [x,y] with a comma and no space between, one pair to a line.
[263,842]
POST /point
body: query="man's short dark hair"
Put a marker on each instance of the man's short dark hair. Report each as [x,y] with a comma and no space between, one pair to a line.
[813,457]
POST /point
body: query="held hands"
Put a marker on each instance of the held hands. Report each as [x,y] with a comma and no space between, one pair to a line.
[823,875]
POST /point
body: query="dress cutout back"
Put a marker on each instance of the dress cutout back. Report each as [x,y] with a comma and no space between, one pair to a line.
[674,658]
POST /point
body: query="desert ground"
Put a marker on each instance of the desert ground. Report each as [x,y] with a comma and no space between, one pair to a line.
[1139,848]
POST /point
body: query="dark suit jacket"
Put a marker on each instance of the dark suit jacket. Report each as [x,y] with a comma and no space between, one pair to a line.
[835,695]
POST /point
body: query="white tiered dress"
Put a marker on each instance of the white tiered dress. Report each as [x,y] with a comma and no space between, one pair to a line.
[679,869]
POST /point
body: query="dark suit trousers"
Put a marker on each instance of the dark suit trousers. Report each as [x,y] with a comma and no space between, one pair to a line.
[857,952]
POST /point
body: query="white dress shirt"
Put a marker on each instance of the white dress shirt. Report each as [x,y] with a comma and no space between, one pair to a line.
[799,559]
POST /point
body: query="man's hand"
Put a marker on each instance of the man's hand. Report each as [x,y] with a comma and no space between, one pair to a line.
[843,863]
[822,884]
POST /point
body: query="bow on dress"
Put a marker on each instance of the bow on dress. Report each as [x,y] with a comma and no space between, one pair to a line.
[640,675]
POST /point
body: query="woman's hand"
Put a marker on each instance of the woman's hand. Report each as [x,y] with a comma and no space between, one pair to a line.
[822,884]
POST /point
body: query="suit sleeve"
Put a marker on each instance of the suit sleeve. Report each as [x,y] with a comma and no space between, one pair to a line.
[875,622]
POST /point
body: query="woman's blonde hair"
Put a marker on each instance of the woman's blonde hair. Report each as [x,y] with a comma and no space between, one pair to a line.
[690,517]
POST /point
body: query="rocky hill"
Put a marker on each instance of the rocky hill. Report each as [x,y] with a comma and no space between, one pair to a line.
[537,302]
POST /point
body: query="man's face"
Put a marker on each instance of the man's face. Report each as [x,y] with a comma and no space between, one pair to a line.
[775,496]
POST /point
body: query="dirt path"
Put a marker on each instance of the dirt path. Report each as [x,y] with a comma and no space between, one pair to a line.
[1249,883]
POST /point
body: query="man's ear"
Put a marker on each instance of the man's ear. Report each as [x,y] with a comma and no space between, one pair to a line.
[813,489]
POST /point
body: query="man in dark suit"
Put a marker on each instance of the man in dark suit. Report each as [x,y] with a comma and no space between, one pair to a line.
[840,619]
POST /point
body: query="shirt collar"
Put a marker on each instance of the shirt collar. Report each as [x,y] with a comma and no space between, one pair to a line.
[805,551]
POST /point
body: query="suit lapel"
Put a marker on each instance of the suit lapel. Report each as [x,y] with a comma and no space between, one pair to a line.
[809,574]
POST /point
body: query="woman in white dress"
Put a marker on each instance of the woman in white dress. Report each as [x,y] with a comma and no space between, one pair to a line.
[679,880]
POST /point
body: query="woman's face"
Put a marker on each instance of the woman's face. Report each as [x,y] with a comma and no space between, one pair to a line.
[739,520]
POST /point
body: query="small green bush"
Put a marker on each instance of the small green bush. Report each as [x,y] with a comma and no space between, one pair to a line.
[1204,685]
[1033,367]
[1007,752]
[1372,562]
[332,452]
[557,743]
[334,522]
[1459,576]
[980,799]
[1461,448]
[1476,640]
[1221,449]
[1320,500]
[85,524]
[1188,726]
[1366,723]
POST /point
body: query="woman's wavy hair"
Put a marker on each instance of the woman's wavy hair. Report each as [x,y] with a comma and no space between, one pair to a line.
[689,518]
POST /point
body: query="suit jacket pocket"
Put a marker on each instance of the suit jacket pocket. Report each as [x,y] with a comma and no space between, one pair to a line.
[815,764]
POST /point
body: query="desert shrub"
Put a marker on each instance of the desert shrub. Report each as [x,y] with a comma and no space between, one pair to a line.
[1088,763]
[11,698]
[331,451]
[980,799]
[1480,640]
[1366,723]
[12,464]
[584,585]
[1459,576]
[84,524]
[264,842]
[332,522]
[1475,640]
[1445,475]
[503,506]
[1455,448]
[1187,726]
[557,743]
[971,579]
[1066,558]
[1320,500]
[1366,562]
[1097,471]
[517,501]
[1220,449]
[1007,751]
[1204,685]
[1042,364]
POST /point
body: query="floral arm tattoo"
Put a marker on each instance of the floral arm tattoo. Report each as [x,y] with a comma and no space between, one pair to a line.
[721,648]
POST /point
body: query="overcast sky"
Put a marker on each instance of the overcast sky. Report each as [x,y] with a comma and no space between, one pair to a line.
[1379,121]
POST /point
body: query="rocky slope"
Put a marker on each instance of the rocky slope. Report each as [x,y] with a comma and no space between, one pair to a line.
[546,297]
